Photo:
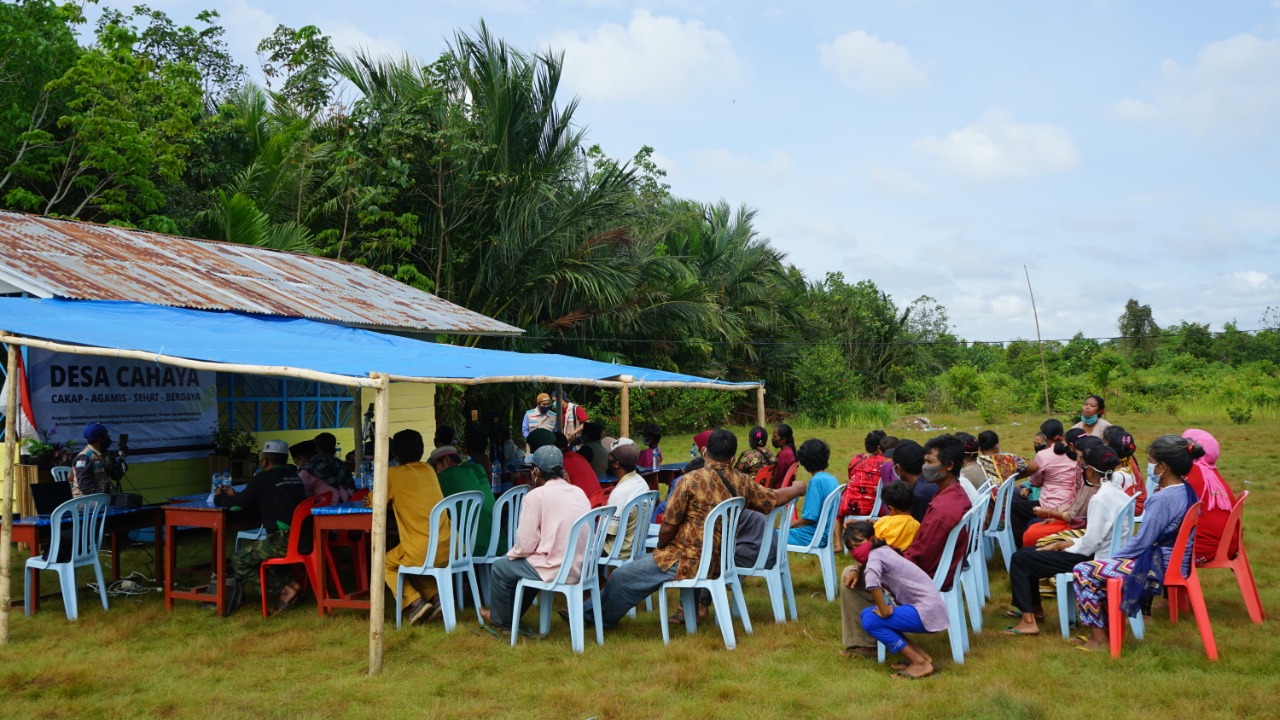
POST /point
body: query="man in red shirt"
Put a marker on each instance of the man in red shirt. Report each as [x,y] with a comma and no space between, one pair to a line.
[577,470]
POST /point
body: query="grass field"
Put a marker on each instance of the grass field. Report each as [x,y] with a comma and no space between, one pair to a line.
[137,661]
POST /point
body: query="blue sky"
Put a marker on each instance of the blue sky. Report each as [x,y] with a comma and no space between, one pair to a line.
[1117,149]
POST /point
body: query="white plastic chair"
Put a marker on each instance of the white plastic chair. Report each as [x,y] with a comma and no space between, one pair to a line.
[957,633]
[642,506]
[822,532]
[778,577]
[875,509]
[60,473]
[250,535]
[726,516]
[464,515]
[999,531]
[505,510]
[88,519]
[973,576]
[1121,531]
[1151,490]
[590,529]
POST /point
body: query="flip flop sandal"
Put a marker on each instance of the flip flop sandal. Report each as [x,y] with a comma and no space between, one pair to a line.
[1015,631]
[1078,640]
[901,675]
[1015,614]
[283,605]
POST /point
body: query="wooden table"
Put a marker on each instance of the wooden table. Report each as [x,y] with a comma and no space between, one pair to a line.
[203,515]
[342,517]
[33,531]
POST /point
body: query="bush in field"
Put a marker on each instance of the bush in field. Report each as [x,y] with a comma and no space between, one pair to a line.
[676,410]
[1240,415]
[822,382]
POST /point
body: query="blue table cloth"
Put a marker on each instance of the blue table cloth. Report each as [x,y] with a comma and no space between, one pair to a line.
[46,520]
[346,508]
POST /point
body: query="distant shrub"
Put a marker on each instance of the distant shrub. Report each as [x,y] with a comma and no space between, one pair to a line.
[1240,415]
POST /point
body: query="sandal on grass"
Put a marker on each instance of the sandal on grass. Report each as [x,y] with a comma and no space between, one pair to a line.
[902,675]
[1016,631]
[1016,614]
[286,603]
[858,651]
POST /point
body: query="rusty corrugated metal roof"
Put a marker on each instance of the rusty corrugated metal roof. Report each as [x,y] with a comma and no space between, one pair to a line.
[48,257]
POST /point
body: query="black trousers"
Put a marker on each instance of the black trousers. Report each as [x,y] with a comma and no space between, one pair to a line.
[1029,565]
[1021,513]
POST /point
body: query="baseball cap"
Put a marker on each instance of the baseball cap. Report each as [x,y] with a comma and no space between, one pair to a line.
[441,452]
[547,458]
[92,430]
[541,437]
[276,446]
[626,452]
[909,455]
[543,396]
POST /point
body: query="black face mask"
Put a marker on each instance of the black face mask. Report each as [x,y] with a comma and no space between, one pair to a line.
[777,443]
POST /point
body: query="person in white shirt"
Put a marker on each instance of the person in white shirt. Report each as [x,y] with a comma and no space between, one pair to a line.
[1030,564]
[623,457]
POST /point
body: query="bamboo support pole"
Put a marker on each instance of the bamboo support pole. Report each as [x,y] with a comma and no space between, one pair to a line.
[381,448]
[641,384]
[6,497]
[272,370]
[356,417]
[624,419]
[760,418]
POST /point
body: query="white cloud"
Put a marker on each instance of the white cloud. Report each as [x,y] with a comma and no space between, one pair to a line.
[998,148]
[865,62]
[1230,94]
[725,163]
[348,38]
[898,182]
[652,59]
[1099,223]
[1251,280]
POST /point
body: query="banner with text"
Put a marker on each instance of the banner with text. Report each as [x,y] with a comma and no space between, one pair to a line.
[167,412]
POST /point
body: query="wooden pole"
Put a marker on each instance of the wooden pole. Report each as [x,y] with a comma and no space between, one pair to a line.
[6,497]
[624,420]
[1044,369]
[760,418]
[381,419]
[501,379]
[358,426]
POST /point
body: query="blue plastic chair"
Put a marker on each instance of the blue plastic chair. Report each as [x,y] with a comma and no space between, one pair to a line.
[973,577]
[778,577]
[999,532]
[590,529]
[1121,531]
[88,519]
[957,633]
[463,510]
[506,510]
[60,474]
[822,533]
[642,506]
[725,515]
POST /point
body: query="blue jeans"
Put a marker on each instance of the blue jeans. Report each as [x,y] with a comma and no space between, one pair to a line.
[889,630]
[630,584]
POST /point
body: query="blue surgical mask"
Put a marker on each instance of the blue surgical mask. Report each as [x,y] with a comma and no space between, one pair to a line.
[1152,478]
[1089,419]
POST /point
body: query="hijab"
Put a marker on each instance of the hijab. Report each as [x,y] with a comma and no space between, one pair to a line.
[1215,491]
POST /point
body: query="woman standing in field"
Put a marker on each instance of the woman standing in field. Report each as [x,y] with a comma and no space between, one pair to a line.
[1091,416]
[1141,561]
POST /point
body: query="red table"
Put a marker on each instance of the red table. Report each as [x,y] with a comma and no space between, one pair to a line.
[343,517]
[203,515]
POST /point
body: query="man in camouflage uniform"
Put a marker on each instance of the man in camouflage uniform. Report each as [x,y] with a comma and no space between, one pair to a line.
[94,469]
[275,493]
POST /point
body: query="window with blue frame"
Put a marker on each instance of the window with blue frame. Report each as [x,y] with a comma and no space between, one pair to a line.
[265,404]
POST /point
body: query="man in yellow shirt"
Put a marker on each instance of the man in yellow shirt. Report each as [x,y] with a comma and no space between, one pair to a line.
[414,490]
[898,528]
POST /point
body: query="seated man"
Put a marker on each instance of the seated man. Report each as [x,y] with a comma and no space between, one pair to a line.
[456,476]
[577,470]
[542,539]
[680,537]
[622,461]
[413,490]
[943,463]
[94,469]
[302,454]
[813,456]
[596,452]
[274,492]
[328,469]
[898,528]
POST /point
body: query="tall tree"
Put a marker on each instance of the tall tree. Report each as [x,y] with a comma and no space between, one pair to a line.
[1140,336]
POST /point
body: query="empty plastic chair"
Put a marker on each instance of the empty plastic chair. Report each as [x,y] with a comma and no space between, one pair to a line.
[463,510]
[506,513]
[590,529]
[310,561]
[1234,534]
[60,474]
[778,577]
[821,545]
[999,531]
[88,516]
[725,517]
[1121,531]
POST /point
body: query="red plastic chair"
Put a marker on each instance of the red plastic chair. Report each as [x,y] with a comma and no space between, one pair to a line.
[1178,587]
[294,557]
[787,479]
[1239,564]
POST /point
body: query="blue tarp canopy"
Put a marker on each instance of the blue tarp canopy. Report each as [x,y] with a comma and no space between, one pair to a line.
[257,340]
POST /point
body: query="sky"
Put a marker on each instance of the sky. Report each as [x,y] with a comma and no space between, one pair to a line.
[1115,149]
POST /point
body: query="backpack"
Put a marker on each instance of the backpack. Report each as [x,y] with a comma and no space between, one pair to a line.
[864,478]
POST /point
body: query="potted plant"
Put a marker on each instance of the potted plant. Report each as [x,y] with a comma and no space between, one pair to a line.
[231,442]
[46,453]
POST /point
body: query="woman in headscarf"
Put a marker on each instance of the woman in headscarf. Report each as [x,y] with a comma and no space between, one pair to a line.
[1215,495]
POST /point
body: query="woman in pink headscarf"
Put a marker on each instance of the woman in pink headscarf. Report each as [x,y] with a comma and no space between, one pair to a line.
[1216,498]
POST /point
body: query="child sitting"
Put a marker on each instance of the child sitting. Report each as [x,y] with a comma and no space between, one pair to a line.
[898,528]
[918,604]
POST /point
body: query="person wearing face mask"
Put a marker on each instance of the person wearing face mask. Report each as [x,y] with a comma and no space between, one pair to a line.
[1140,563]
[94,469]
[917,604]
[1091,420]
[541,541]
[1030,564]
[1055,473]
[539,417]
[786,444]
[623,457]
[1053,520]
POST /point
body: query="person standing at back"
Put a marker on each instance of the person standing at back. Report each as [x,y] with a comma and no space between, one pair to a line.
[95,470]
[570,416]
[540,417]
[1091,411]
[786,444]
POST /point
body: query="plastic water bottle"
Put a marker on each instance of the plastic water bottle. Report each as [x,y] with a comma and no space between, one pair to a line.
[226,479]
[217,483]
[657,456]
[337,451]
[693,452]
[495,477]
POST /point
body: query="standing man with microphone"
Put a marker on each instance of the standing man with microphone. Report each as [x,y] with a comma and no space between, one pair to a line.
[94,469]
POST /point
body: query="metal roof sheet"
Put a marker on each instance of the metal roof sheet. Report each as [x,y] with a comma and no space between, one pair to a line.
[48,257]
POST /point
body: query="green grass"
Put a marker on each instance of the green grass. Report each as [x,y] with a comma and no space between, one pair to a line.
[137,661]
